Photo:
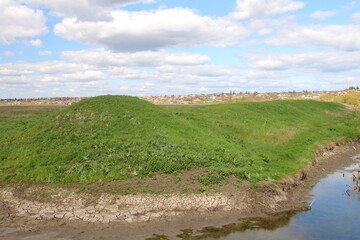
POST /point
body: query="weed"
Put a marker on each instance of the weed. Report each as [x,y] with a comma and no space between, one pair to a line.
[121,137]
[210,178]
[352,98]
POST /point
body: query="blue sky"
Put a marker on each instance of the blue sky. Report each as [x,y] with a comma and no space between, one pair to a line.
[159,47]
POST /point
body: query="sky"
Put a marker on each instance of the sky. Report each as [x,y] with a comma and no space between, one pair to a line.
[59,48]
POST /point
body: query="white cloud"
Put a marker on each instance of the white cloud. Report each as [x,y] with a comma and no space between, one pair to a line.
[129,73]
[116,3]
[131,62]
[350,5]
[343,37]
[10,53]
[321,15]
[19,22]
[335,61]
[346,81]
[27,79]
[88,75]
[200,70]
[48,67]
[144,30]
[102,57]
[267,26]
[355,18]
[36,43]
[82,9]
[54,80]
[255,9]
[97,79]
[44,53]
[60,72]
[265,31]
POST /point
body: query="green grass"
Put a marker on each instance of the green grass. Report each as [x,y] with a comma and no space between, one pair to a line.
[121,137]
[12,116]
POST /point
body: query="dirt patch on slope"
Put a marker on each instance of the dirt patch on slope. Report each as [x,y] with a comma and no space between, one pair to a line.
[43,212]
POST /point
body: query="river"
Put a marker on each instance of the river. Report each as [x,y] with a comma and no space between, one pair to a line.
[335,212]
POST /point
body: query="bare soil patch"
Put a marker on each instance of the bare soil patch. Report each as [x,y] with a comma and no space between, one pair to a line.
[42,212]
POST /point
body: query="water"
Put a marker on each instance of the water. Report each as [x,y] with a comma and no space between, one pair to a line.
[335,213]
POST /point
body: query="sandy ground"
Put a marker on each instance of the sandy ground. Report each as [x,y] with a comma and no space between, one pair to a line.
[64,214]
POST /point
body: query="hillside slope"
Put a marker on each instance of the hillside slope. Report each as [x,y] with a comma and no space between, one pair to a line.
[120,137]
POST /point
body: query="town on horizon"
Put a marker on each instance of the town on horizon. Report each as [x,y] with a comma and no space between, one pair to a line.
[230,97]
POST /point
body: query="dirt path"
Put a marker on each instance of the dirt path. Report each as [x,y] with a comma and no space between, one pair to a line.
[68,215]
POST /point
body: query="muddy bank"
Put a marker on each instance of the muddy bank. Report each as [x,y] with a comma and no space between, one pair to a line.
[64,214]
[64,204]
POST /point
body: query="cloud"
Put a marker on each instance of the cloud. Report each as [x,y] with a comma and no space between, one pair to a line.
[61,72]
[44,53]
[10,53]
[321,15]
[82,9]
[50,77]
[355,18]
[86,79]
[116,3]
[19,22]
[31,79]
[129,73]
[257,9]
[267,26]
[335,61]
[102,57]
[345,80]
[36,43]
[148,30]
[31,89]
[341,37]
[88,75]
[200,70]
[47,67]
[350,5]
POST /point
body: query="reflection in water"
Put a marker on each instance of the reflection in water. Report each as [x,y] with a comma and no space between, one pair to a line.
[335,214]
[272,222]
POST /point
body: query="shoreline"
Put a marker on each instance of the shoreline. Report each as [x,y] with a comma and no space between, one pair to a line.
[146,214]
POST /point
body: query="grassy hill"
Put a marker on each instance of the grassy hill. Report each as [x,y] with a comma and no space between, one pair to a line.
[122,137]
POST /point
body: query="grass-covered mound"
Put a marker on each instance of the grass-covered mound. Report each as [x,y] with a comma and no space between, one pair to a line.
[119,137]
